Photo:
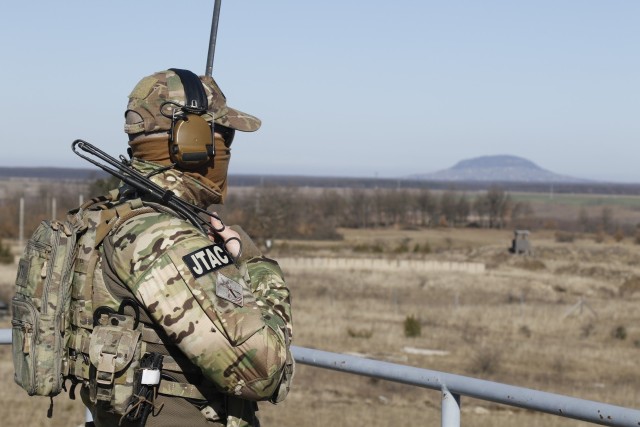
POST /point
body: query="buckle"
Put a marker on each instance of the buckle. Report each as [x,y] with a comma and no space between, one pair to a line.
[106,369]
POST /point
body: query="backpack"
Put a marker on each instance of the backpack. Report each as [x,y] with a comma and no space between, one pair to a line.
[40,320]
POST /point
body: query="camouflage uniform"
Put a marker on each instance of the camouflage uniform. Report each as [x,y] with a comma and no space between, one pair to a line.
[224,328]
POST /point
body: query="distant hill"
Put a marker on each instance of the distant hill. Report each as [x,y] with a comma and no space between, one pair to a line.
[80,174]
[502,168]
[572,186]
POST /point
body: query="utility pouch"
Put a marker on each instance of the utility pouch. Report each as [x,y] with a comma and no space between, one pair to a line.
[147,380]
[114,354]
[40,320]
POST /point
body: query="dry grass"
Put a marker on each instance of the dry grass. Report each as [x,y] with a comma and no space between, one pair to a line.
[520,323]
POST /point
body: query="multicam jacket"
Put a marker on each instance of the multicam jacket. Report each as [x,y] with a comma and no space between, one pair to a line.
[149,282]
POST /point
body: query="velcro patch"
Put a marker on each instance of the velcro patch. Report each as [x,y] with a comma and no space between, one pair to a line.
[229,290]
[207,260]
[143,88]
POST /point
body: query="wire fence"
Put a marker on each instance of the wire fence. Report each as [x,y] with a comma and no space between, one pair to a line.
[452,387]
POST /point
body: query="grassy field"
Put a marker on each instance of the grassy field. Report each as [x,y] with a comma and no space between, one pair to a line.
[564,320]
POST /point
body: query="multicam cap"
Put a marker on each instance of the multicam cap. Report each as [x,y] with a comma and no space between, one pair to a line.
[152,91]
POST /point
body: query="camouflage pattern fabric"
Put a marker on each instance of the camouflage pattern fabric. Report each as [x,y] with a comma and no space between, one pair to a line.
[233,321]
[40,307]
[151,92]
[192,187]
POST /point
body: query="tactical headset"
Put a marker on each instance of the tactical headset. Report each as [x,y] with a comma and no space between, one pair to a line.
[191,137]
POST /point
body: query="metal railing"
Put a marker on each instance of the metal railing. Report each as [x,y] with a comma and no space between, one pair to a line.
[453,386]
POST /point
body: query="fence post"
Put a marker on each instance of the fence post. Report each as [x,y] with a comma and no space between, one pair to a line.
[21,225]
[450,408]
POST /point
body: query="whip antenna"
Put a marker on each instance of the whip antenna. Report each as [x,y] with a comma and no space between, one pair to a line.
[212,38]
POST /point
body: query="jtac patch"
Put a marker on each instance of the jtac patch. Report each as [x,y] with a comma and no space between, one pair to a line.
[207,260]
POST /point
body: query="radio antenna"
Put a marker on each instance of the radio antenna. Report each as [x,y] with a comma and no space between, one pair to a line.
[212,38]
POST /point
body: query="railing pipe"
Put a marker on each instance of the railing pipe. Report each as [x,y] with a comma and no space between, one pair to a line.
[5,336]
[556,404]
[450,408]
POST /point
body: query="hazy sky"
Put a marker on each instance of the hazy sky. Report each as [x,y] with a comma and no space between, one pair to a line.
[344,87]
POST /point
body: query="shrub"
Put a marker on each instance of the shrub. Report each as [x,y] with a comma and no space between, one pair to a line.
[485,361]
[360,333]
[564,237]
[531,264]
[599,237]
[412,327]
[375,248]
[587,329]
[422,249]
[402,247]
[619,333]
[618,236]
[525,330]
[6,257]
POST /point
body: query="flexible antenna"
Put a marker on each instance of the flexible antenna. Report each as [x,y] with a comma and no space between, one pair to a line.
[127,174]
[212,38]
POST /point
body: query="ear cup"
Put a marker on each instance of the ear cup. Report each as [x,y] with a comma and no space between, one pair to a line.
[192,144]
[191,136]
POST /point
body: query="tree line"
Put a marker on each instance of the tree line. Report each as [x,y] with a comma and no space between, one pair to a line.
[281,211]
[293,212]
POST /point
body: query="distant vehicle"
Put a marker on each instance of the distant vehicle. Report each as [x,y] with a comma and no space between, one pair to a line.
[521,244]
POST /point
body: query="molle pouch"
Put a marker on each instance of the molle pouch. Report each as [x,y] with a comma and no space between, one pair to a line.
[40,319]
[115,348]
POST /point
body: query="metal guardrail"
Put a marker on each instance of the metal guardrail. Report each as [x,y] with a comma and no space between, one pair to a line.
[453,386]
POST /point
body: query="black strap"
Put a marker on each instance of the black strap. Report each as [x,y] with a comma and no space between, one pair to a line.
[193,89]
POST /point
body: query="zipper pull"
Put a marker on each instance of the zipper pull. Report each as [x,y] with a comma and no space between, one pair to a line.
[43,272]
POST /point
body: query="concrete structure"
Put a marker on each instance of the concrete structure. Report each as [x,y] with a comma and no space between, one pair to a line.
[521,243]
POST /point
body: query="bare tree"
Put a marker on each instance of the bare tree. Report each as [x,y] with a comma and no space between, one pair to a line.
[606,220]
[521,212]
[463,209]
[448,206]
[427,207]
[359,205]
[499,204]
[584,221]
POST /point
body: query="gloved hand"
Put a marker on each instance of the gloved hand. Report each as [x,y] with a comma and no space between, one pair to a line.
[229,237]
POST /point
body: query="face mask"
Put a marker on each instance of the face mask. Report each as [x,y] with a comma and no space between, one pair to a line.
[154,148]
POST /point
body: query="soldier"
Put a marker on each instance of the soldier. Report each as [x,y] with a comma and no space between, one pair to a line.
[170,326]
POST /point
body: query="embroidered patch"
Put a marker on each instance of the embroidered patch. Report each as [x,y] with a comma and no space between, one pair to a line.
[229,290]
[207,260]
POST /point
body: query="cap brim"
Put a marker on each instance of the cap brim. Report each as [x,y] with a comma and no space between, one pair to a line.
[240,121]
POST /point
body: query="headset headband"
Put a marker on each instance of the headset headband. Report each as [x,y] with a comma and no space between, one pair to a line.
[196,97]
